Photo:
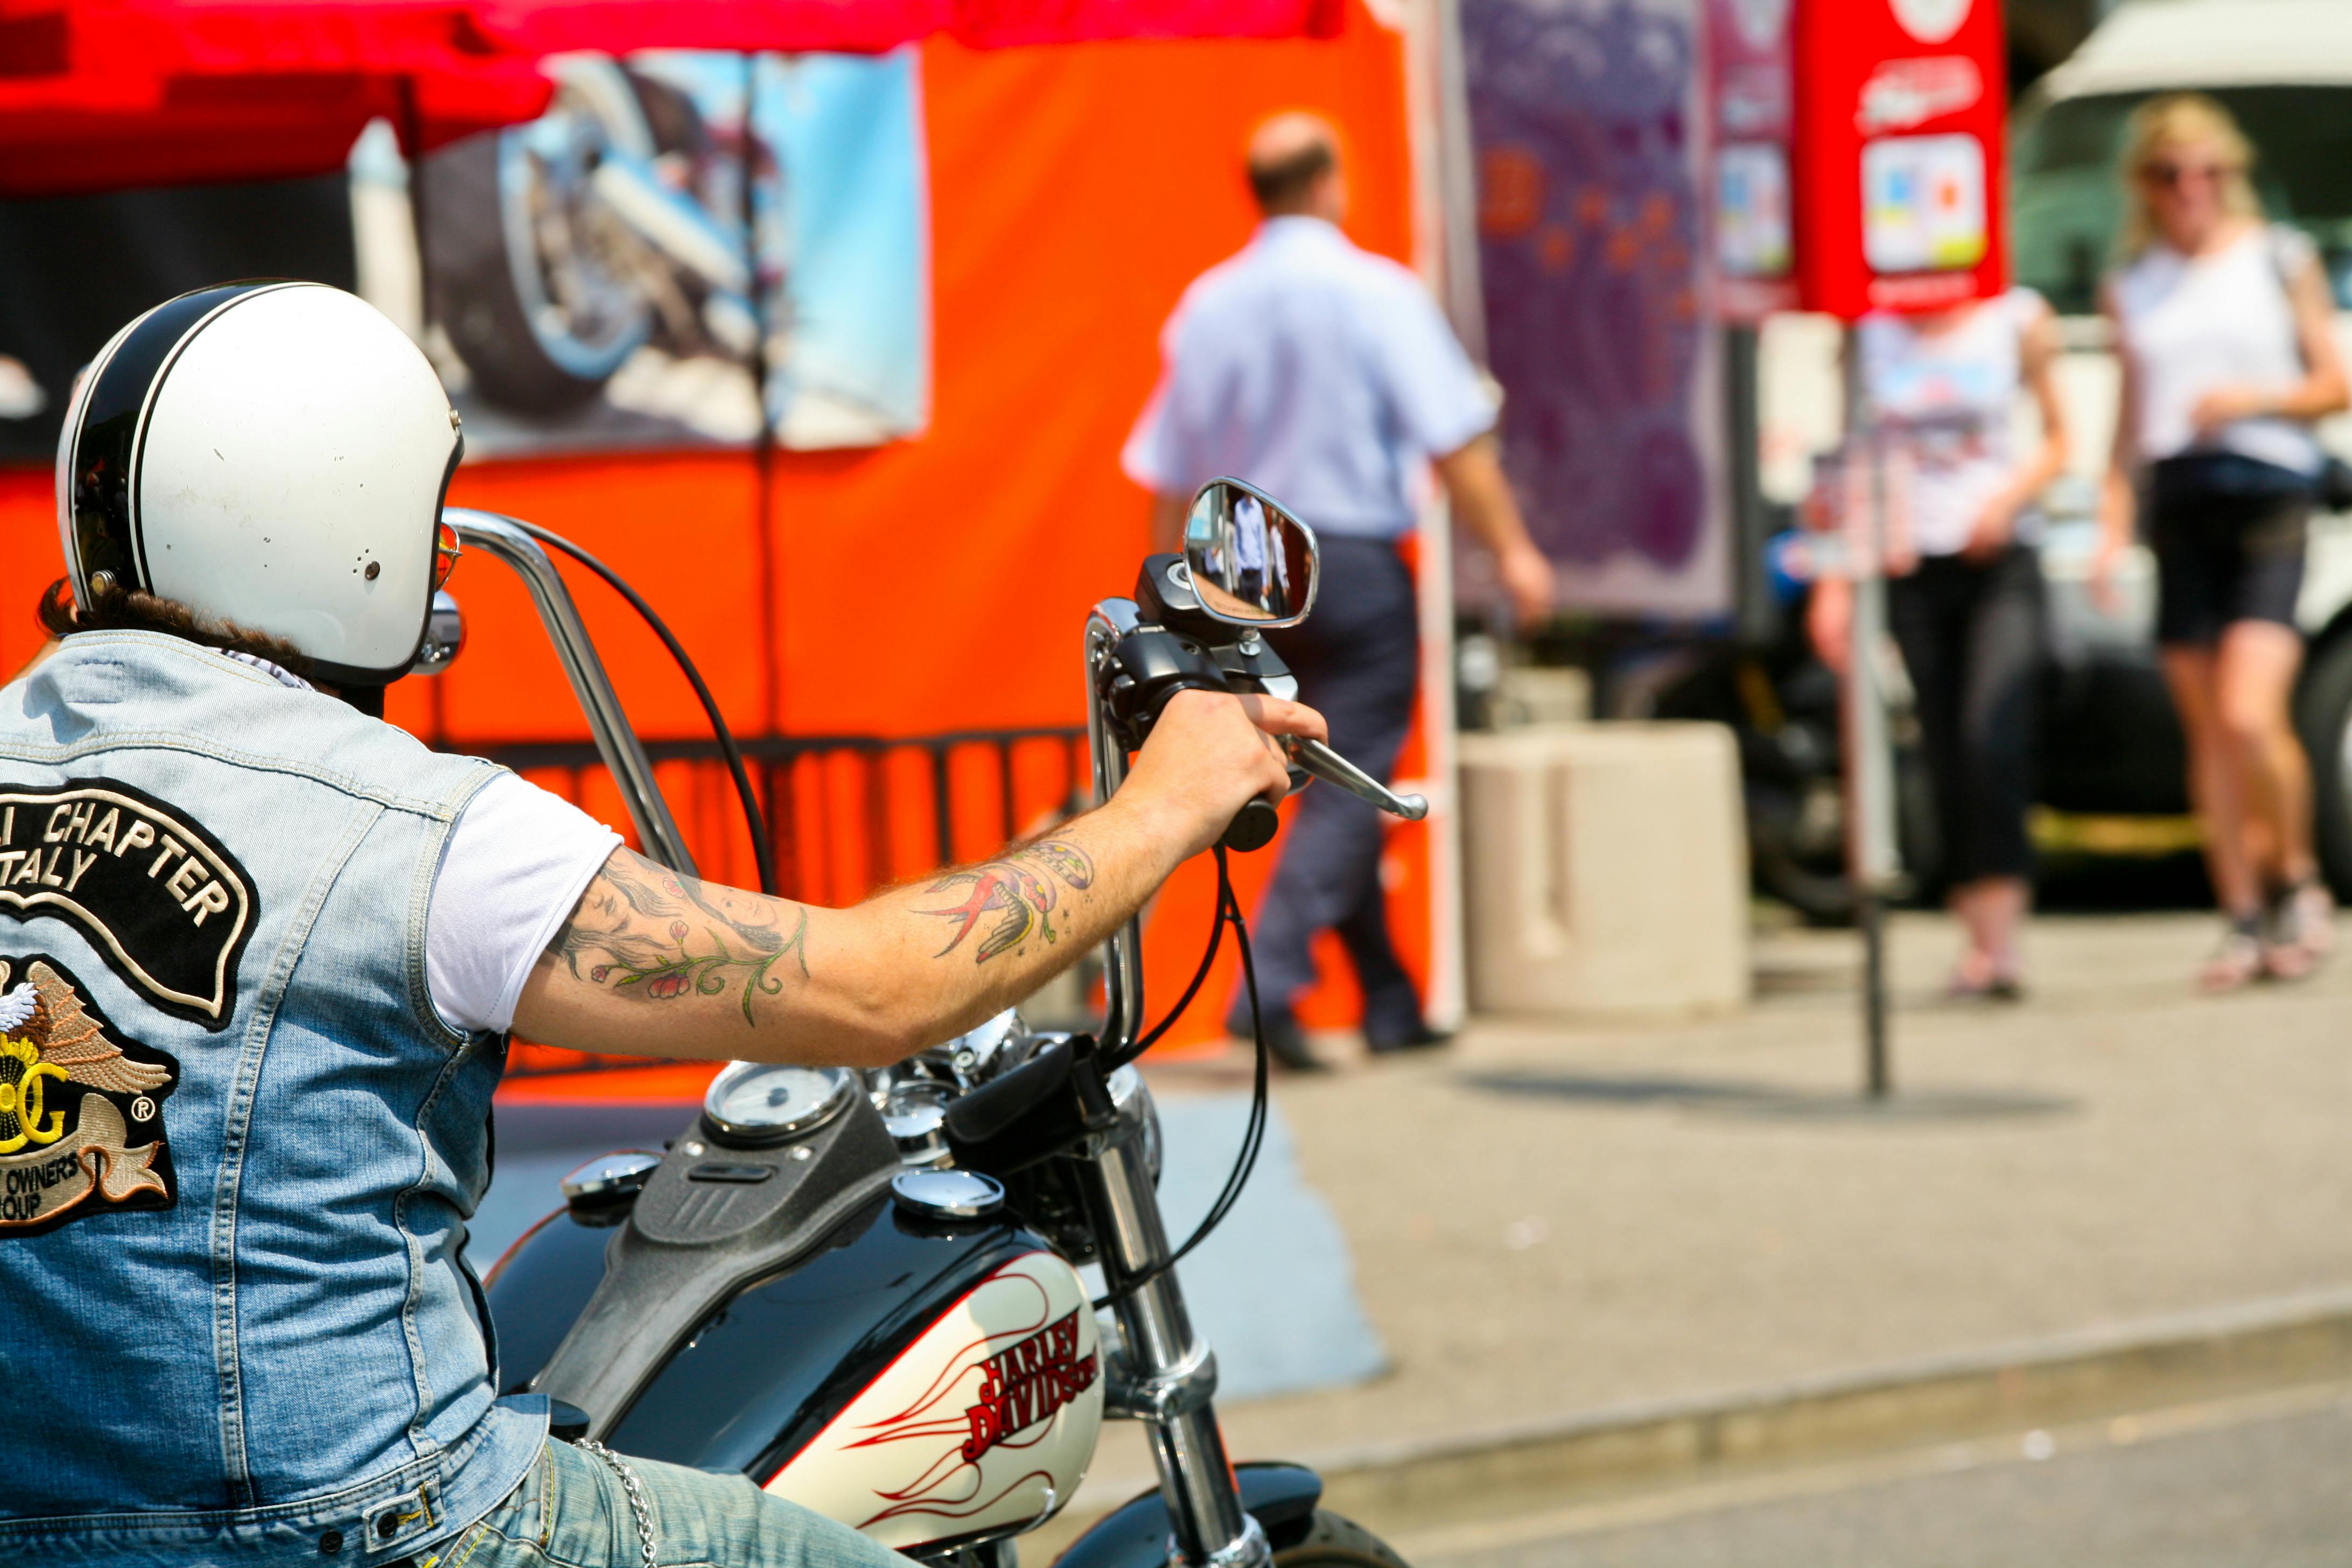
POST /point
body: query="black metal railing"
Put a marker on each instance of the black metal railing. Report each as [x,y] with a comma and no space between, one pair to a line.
[846,814]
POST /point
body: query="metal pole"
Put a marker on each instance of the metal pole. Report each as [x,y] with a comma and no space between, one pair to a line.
[1756,613]
[1871,852]
[1465,304]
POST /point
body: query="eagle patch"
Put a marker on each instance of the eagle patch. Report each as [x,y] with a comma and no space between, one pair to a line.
[81,1106]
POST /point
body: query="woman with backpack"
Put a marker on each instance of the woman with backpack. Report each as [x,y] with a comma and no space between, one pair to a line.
[2224,330]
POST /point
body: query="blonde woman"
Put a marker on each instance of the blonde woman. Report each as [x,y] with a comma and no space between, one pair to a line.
[2223,328]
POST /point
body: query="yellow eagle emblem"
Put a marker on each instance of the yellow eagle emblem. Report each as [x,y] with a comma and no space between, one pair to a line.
[51,1039]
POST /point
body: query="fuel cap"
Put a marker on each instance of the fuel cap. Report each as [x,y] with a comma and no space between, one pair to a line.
[610,1177]
[948,1195]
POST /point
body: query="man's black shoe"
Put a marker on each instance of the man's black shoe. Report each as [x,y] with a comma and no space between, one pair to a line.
[1419,1037]
[1287,1043]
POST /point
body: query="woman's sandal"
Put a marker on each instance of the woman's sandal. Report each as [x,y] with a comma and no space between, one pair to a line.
[2299,929]
[2313,908]
[1961,990]
[1996,986]
[2238,960]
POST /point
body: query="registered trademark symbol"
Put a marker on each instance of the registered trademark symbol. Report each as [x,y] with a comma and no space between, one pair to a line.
[142,1109]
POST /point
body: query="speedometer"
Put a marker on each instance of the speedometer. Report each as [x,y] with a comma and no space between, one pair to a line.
[767,1102]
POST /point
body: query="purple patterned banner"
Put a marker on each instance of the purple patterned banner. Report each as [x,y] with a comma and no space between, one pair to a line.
[1586,120]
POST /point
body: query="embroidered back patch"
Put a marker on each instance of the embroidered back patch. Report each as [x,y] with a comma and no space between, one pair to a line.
[167,906]
[81,1106]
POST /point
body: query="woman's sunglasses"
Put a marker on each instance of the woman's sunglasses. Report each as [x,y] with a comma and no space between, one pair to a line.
[2173,176]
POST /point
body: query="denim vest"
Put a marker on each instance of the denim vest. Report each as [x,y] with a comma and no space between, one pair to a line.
[237,1146]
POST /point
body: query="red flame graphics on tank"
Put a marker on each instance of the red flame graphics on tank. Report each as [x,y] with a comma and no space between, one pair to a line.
[988,1419]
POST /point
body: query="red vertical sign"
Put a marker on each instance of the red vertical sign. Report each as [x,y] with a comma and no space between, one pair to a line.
[1900,106]
[1750,97]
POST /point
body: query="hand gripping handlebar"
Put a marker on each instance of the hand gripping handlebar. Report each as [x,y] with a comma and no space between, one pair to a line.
[1148,664]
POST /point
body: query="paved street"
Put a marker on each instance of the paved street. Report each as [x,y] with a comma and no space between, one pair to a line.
[1547,1222]
[2254,1481]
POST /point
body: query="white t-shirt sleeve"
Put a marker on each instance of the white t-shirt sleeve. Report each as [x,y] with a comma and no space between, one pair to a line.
[511,869]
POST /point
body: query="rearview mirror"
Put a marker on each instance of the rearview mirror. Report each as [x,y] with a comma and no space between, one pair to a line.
[445,636]
[1252,563]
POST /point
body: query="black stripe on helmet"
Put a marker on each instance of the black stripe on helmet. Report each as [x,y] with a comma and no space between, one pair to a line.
[106,446]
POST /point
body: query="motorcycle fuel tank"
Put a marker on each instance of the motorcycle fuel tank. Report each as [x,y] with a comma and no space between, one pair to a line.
[854,1382]
[985,1424]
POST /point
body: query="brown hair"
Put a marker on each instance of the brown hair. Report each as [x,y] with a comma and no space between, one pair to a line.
[112,609]
[1282,186]
[2173,120]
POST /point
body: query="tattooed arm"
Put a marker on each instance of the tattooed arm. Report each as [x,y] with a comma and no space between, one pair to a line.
[653,963]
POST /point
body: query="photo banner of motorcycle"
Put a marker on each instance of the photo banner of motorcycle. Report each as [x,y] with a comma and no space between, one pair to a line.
[680,227]
[1898,163]
[1592,259]
[618,275]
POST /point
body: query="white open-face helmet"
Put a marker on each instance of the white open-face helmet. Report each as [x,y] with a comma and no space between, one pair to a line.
[273,455]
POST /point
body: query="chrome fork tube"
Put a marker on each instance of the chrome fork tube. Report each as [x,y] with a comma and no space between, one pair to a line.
[1166,1374]
[616,742]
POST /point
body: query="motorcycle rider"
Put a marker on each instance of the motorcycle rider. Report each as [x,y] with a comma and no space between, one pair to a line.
[260,955]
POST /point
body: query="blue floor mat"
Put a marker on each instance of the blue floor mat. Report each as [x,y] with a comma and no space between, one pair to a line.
[1273,1288]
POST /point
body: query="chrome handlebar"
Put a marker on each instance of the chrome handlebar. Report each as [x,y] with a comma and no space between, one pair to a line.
[618,744]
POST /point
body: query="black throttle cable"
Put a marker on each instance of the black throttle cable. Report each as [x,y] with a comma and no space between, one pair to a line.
[1200,976]
[762,851]
[1229,908]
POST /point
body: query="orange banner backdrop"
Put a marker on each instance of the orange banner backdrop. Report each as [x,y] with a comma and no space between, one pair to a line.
[937,583]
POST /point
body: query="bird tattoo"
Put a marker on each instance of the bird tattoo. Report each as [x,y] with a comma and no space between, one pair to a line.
[1023,899]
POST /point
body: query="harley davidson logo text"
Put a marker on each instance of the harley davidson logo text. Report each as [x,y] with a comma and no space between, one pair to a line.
[167,905]
[1025,1383]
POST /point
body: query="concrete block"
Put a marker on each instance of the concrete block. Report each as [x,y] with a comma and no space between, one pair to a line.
[1605,871]
[1534,694]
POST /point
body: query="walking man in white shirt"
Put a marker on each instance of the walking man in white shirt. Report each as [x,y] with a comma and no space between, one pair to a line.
[1327,375]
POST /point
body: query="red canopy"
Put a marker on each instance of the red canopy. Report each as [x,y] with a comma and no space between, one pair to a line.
[119,114]
[105,94]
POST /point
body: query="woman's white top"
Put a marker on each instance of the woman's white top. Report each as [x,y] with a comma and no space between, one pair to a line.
[1947,400]
[2192,324]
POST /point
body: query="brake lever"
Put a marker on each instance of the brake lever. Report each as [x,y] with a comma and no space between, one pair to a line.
[1254,826]
[1332,768]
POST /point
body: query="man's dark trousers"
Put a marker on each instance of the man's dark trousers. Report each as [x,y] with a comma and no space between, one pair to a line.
[1357,658]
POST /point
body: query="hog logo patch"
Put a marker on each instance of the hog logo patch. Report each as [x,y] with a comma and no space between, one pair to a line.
[81,1107]
[167,906]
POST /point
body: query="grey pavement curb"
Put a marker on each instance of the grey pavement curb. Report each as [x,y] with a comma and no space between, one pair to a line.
[1391,1485]
[1415,1483]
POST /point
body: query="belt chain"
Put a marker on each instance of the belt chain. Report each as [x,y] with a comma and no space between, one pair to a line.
[637,1491]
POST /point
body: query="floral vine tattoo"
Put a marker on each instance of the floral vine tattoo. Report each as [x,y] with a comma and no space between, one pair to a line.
[1015,887]
[641,926]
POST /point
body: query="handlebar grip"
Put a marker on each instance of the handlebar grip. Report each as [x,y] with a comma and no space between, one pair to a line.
[1252,826]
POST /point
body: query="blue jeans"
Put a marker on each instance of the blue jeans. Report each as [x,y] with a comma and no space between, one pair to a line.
[1357,660]
[572,1511]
